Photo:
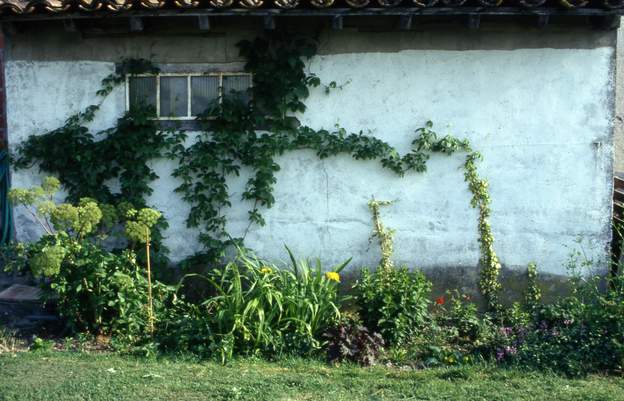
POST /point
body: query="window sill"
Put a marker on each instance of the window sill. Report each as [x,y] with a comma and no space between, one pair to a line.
[190,125]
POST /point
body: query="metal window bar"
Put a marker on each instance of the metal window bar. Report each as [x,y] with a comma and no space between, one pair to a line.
[172,97]
[188,76]
[188,93]
[158,96]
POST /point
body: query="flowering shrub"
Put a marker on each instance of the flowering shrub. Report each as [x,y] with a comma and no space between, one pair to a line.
[95,290]
[140,223]
[465,326]
[456,333]
[576,335]
[47,261]
[86,219]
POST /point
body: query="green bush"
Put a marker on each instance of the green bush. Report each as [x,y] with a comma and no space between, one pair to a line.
[393,302]
[575,335]
[456,334]
[40,344]
[579,334]
[185,327]
[102,292]
[465,327]
[95,290]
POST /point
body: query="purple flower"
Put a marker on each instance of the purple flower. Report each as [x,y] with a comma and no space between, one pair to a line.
[511,350]
[506,331]
[501,353]
[522,331]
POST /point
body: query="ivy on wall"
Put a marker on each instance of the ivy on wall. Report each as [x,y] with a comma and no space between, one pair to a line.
[85,162]
[236,134]
[383,234]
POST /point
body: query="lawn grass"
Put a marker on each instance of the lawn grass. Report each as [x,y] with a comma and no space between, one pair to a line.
[52,376]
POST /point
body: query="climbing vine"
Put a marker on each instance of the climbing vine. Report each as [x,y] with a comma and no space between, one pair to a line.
[489,283]
[238,132]
[383,234]
[533,294]
[426,143]
[86,162]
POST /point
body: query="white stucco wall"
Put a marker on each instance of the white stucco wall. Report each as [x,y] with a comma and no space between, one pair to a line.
[541,117]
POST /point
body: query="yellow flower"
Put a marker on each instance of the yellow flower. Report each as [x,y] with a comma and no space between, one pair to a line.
[266,270]
[333,276]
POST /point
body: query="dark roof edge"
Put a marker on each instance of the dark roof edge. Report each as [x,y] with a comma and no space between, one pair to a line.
[327,12]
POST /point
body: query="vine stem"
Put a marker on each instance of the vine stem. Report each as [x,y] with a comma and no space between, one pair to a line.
[255,205]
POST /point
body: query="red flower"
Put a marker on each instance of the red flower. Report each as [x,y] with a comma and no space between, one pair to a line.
[440,300]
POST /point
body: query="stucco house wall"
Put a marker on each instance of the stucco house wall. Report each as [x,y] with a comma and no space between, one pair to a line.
[619,105]
[539,106]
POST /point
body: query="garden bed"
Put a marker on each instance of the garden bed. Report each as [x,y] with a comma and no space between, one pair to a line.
[247,306]
[65,376]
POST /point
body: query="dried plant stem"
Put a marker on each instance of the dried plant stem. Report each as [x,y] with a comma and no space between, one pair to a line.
[150,306]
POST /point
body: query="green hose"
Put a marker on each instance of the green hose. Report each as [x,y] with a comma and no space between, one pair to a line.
[6,211]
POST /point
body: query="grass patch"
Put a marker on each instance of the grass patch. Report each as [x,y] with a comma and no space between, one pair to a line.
[68,376]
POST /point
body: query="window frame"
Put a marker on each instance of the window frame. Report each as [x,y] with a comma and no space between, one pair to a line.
[188,75]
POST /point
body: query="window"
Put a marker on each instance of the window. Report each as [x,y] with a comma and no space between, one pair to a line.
[179,96]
